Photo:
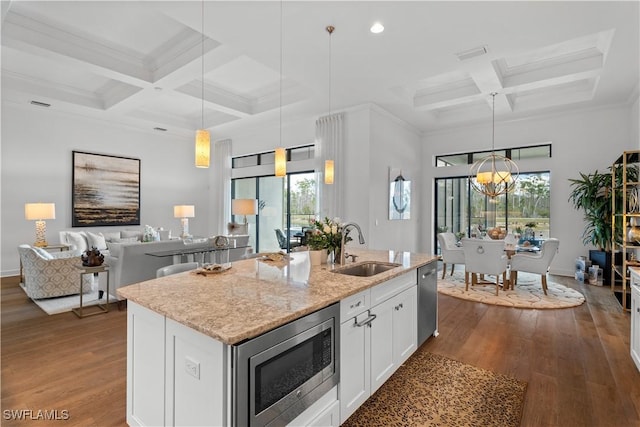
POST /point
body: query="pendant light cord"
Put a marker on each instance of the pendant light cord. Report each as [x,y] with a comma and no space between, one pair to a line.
[280,72]
[202,65]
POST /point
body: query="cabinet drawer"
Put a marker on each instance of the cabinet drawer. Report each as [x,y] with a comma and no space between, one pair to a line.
[388,289]
[354,305]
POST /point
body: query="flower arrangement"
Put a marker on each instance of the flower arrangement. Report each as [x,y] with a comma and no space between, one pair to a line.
[326,234]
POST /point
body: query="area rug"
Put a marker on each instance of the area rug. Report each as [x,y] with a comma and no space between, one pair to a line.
[63,304]
[527,293]
[432,390]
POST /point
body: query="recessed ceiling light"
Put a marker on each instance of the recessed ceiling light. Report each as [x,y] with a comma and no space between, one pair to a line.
[377,28]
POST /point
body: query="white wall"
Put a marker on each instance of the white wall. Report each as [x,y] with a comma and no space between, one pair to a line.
[374,141]
[394,144]
[581,142]
[37,162]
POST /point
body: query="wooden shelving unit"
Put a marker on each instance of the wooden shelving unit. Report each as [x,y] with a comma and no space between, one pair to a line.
[624,179]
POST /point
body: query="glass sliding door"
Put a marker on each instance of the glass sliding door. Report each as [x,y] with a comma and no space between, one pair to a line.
[245,188]
[285,208]
[459,209]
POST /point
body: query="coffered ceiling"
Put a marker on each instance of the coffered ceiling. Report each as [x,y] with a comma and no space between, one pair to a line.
[140,63]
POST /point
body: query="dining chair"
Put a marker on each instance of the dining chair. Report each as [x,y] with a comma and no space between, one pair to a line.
[176,268]
[451,253]
[537,263]
[484,257]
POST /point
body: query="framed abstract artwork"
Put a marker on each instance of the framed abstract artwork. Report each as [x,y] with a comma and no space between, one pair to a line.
[106,190]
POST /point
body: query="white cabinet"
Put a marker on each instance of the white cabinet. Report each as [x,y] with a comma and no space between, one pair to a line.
[635,318]
[375,341]
[355,345]
[175,375]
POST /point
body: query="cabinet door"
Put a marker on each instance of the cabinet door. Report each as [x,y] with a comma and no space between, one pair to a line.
[355,383]
[635,324]
[382,363]
[405,316]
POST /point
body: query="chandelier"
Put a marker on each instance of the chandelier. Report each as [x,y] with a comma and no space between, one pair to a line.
[495,174]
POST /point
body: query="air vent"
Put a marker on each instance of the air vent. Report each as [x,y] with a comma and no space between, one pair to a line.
[471,53]
[160,129]
[40,104]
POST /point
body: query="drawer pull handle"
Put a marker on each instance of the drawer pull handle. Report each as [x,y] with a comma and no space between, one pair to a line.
[358,304]
[366,321]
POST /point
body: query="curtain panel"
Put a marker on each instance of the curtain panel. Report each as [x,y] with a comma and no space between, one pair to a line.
[329,146]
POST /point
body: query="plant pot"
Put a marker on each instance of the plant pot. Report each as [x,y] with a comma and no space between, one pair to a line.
[318,256]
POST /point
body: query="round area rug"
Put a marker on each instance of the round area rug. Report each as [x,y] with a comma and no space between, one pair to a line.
[527,294]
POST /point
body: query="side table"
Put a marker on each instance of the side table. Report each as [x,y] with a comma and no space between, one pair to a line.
[102,308]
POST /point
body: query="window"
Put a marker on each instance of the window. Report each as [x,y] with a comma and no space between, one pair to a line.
[286,205]
[536,151]
[460,209]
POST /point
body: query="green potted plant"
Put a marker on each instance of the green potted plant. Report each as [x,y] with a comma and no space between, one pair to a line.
[593,194]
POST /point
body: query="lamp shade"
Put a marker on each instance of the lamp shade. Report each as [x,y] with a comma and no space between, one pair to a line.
[281,162]
[39,211]
[184,211]
[328,171]
[244,206]
[203,148]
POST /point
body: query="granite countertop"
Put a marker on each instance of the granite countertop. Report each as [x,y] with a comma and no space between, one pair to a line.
[255,296]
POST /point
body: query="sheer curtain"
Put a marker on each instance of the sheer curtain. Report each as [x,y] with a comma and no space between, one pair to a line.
[220,205]
[329,146]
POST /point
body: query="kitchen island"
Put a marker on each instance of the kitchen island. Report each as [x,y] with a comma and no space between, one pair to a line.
[182,328]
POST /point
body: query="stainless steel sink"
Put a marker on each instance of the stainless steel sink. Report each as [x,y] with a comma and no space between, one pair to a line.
[367,268]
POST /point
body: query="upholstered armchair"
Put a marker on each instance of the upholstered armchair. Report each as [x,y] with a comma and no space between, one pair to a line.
[49,275]
[535,263]
[451,253]
[484,257]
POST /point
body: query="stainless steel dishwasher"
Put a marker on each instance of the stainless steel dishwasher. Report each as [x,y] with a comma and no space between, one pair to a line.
[427,302]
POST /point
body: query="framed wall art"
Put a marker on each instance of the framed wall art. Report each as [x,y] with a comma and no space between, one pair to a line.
[399,195]
[106,190]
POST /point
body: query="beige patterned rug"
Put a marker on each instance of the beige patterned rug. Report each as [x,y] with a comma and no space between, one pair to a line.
[527,294]
[432,390]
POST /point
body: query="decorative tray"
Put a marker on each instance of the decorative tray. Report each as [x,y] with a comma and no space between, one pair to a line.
[212,269]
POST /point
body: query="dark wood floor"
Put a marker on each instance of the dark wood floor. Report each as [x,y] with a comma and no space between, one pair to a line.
[576,361]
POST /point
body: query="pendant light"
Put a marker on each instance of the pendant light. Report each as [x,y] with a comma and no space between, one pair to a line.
[281,153]
[203,138]
[494,175]
[328,164]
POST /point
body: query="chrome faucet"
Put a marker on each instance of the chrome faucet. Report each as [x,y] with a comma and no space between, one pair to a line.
[345,230]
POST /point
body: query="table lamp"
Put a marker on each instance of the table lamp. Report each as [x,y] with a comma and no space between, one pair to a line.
[38,212]
[244,207]
[184,212]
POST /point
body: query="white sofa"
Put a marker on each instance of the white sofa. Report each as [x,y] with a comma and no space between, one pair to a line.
[129,263]
[127,256]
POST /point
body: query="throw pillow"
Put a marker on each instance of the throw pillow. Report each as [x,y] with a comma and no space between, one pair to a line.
[44,254]
[131,233]
[96,240]
[77,240]
[110,235]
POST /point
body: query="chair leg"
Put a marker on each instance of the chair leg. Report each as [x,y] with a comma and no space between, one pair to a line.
[498,283]
[452,266]
[544,283]
[444,269]
[513,279]
[466,281]
[505,282]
